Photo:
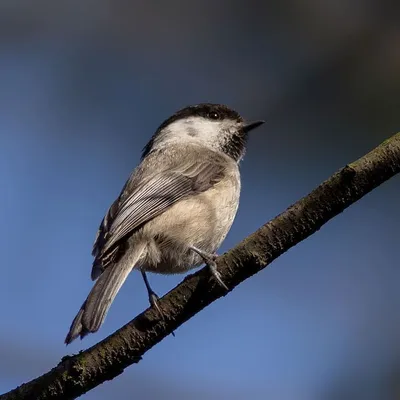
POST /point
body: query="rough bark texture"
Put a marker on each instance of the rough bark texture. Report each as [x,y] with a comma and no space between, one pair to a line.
[76,375]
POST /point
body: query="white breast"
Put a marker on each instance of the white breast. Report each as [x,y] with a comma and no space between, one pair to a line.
[201,220]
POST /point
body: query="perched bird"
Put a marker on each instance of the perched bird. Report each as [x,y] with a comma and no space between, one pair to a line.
[175,209]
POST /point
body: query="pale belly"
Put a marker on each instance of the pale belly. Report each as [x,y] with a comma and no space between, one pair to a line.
[202,221]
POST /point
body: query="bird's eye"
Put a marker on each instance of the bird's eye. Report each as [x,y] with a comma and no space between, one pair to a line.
[213,115]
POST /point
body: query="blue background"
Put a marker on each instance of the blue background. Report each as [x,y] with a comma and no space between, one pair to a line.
[83,85]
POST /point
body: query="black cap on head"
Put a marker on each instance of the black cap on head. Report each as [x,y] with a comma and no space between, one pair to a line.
[206,110]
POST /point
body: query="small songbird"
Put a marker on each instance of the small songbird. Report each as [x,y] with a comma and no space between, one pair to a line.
[175,209]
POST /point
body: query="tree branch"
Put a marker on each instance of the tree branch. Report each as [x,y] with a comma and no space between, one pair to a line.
[78,374]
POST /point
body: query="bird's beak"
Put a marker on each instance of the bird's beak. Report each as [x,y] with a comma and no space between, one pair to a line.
[249,126]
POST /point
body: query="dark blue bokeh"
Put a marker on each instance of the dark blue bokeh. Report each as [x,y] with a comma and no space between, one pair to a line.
[82,88]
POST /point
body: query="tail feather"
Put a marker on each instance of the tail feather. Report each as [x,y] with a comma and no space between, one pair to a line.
[94,310]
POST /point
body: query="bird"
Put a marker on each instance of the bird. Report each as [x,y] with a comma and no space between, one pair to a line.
[175,209]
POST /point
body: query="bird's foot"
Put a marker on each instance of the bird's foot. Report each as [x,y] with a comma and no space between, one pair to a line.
[209,260]
[153,300]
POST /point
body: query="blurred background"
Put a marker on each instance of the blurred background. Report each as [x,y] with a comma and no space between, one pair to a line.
[83,86]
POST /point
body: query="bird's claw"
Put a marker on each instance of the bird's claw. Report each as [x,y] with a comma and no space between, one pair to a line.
[217,276]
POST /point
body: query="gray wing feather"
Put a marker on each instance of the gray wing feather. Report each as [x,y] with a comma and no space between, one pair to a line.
[156,195]
[143,199]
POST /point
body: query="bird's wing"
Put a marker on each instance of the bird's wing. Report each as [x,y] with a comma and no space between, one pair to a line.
[143,198]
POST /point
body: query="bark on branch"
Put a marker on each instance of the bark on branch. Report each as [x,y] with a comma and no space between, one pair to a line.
[78,374]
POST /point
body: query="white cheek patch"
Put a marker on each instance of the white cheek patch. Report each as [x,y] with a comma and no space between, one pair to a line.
[194,130]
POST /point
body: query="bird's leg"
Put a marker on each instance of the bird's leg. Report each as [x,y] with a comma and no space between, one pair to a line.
[153,297]
[209,259]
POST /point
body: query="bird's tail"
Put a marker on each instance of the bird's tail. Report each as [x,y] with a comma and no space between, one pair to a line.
[95,308]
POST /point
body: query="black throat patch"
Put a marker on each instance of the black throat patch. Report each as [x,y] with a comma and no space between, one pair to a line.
[235,146]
